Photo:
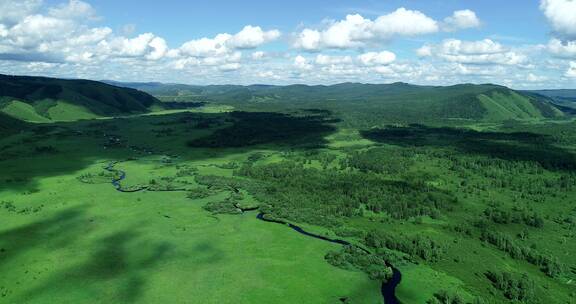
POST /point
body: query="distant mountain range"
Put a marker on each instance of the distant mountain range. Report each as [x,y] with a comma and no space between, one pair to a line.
[397,100]
[566,99]
[561,94]
[40,99]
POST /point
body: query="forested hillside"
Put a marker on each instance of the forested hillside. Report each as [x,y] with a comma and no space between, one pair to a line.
[373,103]
[9,124]
[41,99]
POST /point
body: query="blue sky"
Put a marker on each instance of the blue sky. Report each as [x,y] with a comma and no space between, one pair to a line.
[178,21]
[522,44]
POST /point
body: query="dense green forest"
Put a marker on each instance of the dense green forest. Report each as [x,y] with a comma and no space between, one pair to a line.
[367,105]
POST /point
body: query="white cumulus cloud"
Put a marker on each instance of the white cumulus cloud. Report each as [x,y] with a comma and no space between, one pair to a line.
[252,37]
[356,31]
[562,16]
[348,33]
[145,45]
[535,78]
[74,9]
[309,40]
[61,33]
[331,60]
[463,19]
[377,58]
[224,44]
[571,72]
[403,22]
[473,52]
[32,31]
[258,55]
[228,67]
[300,62]
[561,49]
[12,11]
[205,47]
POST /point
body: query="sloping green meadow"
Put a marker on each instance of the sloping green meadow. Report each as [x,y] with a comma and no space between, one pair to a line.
[22,111]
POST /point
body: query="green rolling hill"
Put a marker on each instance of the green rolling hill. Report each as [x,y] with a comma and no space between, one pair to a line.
[396,101]
[40,99]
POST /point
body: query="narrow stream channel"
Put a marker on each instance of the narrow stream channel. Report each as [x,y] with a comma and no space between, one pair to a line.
[388,289]
[116,180]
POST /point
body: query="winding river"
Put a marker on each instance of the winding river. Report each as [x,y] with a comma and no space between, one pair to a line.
[122,175]
[388,289]
[117,179]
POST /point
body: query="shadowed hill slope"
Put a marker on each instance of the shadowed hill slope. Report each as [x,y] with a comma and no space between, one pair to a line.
[41,99]
[9,124]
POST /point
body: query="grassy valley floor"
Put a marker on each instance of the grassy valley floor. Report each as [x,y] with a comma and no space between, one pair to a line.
[89,243]
[450,208]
